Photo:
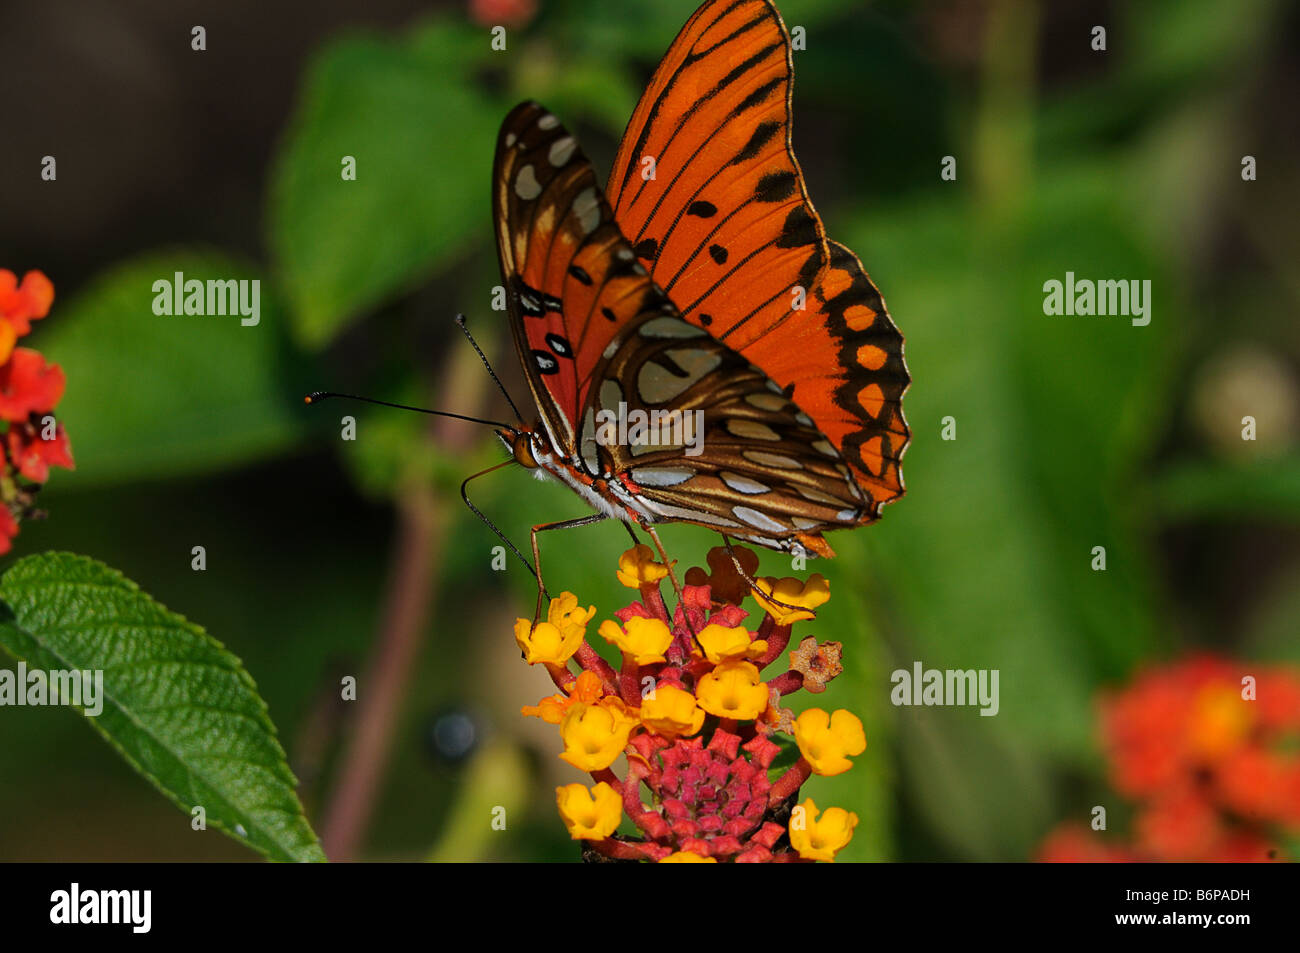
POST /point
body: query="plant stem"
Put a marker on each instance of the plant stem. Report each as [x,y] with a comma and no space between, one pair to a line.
[383,687]
[423,523]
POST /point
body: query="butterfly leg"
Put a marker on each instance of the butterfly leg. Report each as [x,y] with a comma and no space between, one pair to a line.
[537,557]
[735,561]
[672,576]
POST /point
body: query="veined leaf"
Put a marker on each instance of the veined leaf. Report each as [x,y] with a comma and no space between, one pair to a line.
[176,705]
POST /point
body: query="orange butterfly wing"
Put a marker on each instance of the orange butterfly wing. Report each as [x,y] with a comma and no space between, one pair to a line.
[727,229]
[571,280]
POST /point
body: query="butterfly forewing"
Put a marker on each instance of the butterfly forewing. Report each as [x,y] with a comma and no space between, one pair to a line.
[726,227]
[571,278]
[705,184]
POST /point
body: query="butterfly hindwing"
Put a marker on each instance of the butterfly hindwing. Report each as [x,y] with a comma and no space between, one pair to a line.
[725,447]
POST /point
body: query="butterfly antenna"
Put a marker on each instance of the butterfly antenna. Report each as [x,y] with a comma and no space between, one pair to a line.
[460,321]
[464,495]
[315,397]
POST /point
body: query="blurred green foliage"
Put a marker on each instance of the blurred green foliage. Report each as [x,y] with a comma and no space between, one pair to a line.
[190,394]
[1072,432]
[407,111]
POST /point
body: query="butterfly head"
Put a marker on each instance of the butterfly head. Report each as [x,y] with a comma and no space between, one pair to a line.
[527,444]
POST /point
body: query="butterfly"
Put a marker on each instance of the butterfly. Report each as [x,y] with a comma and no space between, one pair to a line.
[699,286]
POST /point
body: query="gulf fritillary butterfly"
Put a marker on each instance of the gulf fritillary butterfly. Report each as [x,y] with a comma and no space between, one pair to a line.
[681,291]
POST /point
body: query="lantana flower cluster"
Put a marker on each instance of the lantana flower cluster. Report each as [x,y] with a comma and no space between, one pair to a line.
[33,441]
[1208,750]
[690,710]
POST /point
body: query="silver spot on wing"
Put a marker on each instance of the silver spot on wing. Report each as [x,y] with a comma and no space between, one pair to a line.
[669,327]
[526,185]
[590,449]
[611,394]
[817,496]
[561,151]
[661,476]
[658,385]
[778,460]
[756,519]
[640,448]
[670,512]
[587,209]
[743,484]
[752,430]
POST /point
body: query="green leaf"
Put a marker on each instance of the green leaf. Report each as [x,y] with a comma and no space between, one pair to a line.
[422,136]
[157,395]
[176,705]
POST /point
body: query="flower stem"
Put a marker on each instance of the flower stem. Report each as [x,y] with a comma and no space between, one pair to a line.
[383,686]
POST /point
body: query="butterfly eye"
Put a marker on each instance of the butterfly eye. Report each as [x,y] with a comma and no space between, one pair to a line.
[523,450]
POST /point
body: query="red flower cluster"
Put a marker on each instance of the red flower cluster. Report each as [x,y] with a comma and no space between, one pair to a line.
[33,441]
[1207,747]
[689,712]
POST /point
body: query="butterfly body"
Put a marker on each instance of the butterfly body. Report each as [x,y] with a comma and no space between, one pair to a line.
[705,296]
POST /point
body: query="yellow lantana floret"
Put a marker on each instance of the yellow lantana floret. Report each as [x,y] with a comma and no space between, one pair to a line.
[723,643]
[595,735]
[802,596]
[589,815]
[565,610]
[826,741]
[733,690]
[645,640]
[672,712]
[820,838]
[637,567]
[547,642]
